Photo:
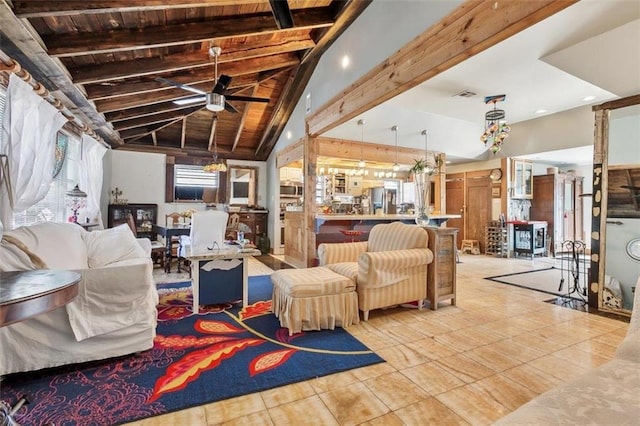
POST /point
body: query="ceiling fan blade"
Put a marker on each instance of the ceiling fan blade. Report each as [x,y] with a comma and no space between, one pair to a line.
[230,108]
[180,85]
[246,98]
[221,85]
[282,14]
[190,100]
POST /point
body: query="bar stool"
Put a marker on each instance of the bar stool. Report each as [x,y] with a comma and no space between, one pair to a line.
[353,233]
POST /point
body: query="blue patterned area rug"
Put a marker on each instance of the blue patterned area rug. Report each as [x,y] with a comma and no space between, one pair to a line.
[220,353]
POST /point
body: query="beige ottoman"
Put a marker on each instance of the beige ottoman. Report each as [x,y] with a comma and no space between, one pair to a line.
[313,299]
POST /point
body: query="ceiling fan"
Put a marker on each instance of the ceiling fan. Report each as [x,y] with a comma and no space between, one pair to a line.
[216,100]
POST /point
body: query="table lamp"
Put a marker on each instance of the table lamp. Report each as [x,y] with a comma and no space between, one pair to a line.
[75,200]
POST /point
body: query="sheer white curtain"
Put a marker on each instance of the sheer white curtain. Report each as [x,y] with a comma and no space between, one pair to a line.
[91,153]
[28,139]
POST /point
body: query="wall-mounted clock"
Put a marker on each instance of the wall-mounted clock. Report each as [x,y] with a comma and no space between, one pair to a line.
[633,249]
[495,175]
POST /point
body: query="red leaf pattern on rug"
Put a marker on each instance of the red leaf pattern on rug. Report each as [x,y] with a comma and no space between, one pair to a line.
[185,342]
[257,309]
[208,326]
[181,373]
[269,360]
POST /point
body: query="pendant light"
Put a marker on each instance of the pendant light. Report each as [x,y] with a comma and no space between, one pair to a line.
[428,166]
[361,163]
[396,167]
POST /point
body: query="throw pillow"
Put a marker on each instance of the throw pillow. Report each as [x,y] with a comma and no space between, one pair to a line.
[107,246]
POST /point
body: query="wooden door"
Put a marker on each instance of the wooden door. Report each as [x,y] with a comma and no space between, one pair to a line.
[478,209]
[455,204]
[543,206]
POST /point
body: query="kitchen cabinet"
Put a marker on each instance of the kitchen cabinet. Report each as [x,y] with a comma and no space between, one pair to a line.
[522,179]
[144,216]
[558,201]
[293,174]
[354,185]
[339,183]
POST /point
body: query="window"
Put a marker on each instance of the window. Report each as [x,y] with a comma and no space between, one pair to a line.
[52,207]
[192,183]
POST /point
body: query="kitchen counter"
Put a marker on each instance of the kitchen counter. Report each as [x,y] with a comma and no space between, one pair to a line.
[436,219]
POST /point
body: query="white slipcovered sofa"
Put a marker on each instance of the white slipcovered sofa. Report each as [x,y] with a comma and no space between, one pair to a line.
[607,395]
[114,312]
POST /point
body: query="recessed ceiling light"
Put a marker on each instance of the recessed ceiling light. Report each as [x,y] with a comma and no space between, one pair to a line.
[541,111]
[289,134]
[345,62]
[588,98]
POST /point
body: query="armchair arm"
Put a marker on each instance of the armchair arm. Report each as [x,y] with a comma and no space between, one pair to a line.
[384,268]
[340,252]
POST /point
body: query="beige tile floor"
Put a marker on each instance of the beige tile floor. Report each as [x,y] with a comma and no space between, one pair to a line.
[466,364]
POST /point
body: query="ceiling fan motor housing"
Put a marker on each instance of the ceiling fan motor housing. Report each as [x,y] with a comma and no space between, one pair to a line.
[215,102]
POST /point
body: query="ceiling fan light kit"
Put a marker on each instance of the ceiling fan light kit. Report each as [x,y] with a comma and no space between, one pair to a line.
[215,102]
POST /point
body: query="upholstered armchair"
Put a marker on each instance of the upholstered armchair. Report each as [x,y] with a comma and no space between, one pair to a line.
[390,268]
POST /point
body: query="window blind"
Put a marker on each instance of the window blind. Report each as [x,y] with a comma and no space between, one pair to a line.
[194,176]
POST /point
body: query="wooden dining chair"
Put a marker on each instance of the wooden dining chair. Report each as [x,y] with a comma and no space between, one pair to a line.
[172,220]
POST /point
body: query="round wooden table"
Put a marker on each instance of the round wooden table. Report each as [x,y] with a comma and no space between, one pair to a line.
[24,294]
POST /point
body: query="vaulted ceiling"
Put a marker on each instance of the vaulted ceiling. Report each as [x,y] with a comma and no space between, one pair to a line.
[118,65]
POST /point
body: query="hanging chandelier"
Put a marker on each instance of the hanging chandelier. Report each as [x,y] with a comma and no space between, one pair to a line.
[496,129]
[216,165]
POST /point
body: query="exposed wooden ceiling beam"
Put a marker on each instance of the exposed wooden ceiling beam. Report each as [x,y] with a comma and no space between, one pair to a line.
[469,29]
[119,70]
[57,78]
[144,111]
[236,139]
[176,34]
[237,70]
[31,9]
[154,138]
[156,118]
[282,13]
[139,132]
[183,136]
[164,148]
[294,89]
[140,99]
[212,133]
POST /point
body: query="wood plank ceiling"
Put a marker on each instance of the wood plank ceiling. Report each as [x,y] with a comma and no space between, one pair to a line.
[103,58]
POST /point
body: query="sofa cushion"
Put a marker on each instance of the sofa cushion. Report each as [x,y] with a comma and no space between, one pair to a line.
[59,245]
[346,269]
[311,282]
[112,245]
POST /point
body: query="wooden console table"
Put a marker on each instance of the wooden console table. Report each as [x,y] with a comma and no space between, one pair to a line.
[441,273]
[24,294]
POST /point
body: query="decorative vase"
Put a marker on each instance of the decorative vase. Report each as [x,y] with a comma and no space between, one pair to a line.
[422,187]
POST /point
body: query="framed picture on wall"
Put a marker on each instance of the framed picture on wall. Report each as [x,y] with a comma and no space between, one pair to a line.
[623,192]
[495,192]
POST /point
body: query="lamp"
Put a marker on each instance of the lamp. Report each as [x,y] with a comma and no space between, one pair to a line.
[75,200]
[495,128]
[394,129]
[216,165]
[361,163]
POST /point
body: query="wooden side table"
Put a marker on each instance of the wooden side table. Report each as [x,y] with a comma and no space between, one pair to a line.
[441,273]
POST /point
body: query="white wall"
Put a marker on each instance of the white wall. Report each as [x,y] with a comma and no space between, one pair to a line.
[141,178]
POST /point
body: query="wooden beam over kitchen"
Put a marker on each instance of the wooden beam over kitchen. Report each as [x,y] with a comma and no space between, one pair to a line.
[471,28]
